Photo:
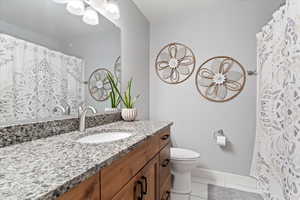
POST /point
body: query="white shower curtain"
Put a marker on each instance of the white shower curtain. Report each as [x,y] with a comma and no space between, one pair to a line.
[276,162]
[34,79]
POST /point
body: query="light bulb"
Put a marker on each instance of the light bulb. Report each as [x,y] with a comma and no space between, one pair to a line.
[113,9]
[61,1]
[90,17]
[76,7]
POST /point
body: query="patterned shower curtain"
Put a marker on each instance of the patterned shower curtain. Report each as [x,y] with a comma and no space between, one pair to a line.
[34,79]
[276,162]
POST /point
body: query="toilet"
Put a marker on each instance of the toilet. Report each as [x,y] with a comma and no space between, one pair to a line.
[183,161]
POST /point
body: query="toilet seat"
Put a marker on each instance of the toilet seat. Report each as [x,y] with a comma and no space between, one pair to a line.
[183,154]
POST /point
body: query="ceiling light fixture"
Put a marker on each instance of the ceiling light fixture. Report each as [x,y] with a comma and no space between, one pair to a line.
[90,17]
[113,9]
[76,7]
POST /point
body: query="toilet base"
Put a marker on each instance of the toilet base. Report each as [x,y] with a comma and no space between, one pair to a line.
[182,183]
[176,196]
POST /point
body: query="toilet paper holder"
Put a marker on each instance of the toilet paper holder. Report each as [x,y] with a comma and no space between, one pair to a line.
[220,135]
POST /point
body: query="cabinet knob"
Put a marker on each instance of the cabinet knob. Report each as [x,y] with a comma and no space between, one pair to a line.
[165,163]
[165,137]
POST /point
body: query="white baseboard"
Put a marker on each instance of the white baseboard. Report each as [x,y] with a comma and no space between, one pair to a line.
[199,191]
[202,177]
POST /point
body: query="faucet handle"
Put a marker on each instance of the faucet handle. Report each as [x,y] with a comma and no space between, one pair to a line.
[92,109]
[59,107]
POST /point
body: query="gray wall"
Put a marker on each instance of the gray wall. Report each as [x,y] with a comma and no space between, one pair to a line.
[135,53]
[215,29]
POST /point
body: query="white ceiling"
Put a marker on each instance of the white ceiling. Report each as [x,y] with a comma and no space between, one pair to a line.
[158,10]
[155,10]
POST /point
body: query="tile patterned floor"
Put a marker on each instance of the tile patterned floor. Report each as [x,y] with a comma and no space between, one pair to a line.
[220,193]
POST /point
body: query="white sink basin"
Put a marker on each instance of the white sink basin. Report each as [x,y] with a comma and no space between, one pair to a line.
[104,137]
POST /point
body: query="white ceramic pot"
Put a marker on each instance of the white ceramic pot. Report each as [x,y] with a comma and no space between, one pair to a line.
[129,114]
[112,110]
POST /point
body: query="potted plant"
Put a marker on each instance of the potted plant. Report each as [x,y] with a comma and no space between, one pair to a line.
[114,94]
[129,113]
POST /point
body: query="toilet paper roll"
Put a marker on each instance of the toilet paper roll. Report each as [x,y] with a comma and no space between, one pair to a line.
[221,141]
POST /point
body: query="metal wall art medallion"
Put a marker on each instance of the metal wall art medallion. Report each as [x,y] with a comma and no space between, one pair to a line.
[99,86]
[175,63]
[220,79]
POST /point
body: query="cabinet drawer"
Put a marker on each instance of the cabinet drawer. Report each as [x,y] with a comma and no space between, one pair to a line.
[143,185]
[164,138]
[120,172]
[165,191]
[164,160]
[89,189]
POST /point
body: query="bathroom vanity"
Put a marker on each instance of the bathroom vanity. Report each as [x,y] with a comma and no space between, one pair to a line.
[60,167]
[144,173]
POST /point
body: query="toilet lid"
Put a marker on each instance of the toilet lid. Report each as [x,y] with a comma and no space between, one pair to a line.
[183,154]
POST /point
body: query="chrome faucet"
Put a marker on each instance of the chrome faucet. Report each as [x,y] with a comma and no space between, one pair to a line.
[68,109]
[83,116]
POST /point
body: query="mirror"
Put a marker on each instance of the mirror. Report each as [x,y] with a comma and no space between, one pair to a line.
[52,61]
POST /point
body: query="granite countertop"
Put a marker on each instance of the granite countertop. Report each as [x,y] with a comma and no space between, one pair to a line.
[46,168]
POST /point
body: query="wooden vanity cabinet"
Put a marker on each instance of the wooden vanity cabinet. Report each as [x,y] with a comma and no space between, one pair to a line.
[142,174]
[88,190]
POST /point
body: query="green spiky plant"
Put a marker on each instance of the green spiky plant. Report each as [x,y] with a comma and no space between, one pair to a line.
[114,94]
[127,100]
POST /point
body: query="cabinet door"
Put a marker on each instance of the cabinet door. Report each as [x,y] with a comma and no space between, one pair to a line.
[119,173]
[150,180]
[165,159]
[144,186]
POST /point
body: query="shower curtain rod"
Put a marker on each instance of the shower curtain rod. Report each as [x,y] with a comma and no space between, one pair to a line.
[252,72]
